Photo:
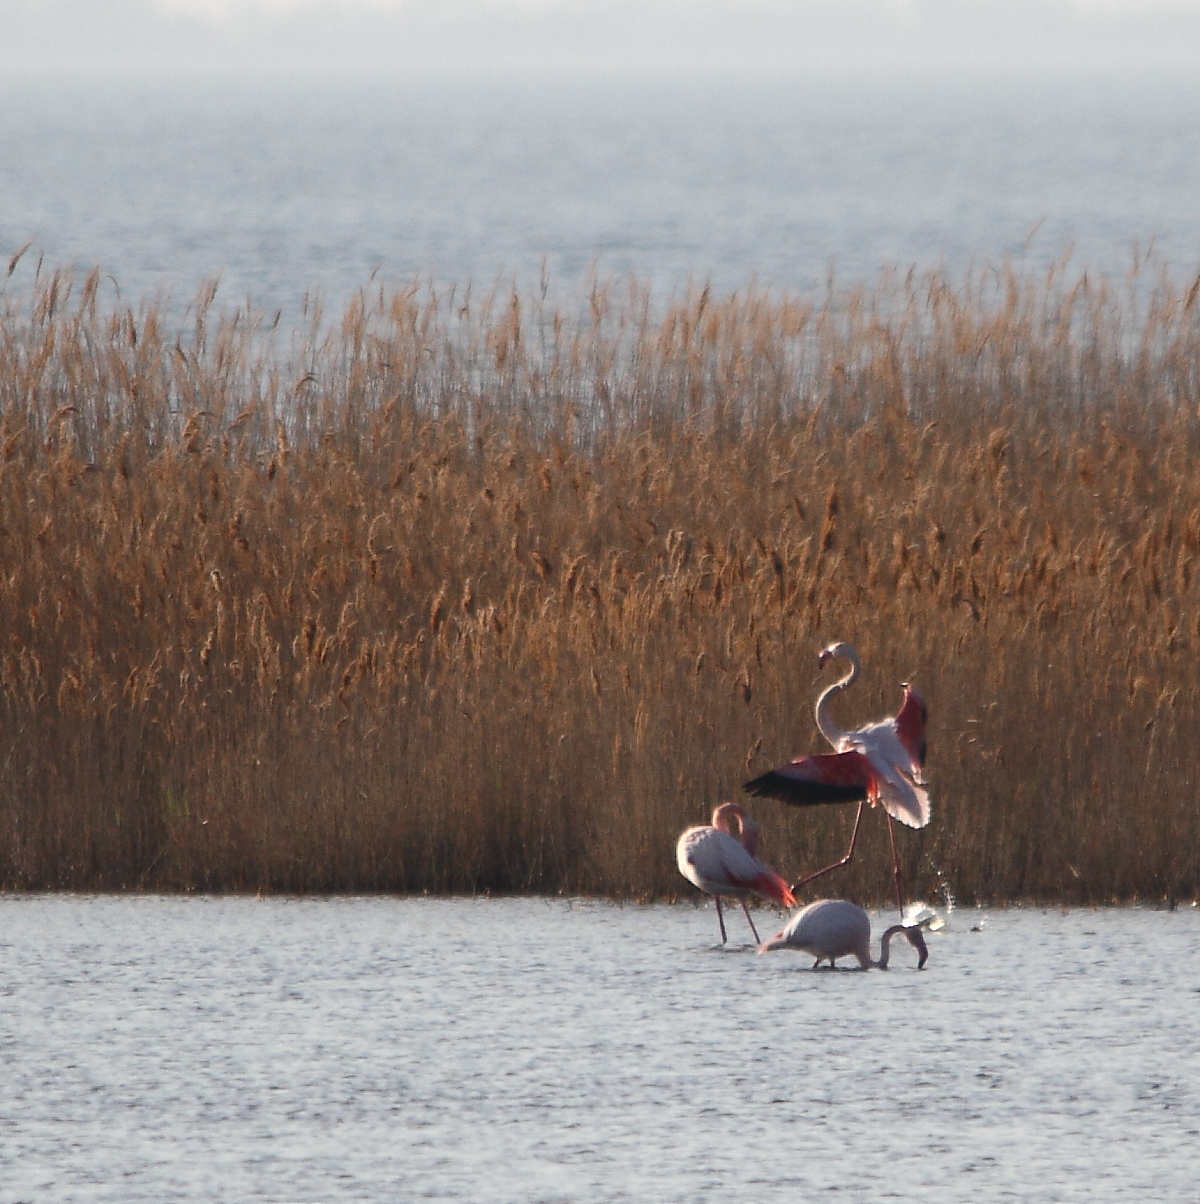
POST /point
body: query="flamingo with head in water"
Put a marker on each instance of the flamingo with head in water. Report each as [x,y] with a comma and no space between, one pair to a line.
[881,763]
[719,863]
[833,928]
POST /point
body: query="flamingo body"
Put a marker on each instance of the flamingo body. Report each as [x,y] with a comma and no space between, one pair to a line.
[716,863]
[833,928]
[712,858]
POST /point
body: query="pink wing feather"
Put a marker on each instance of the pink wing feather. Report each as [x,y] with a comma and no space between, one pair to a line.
[747,872]
[844,777]
[910,727]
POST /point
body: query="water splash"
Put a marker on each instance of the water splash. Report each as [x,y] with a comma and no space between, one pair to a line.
[925,915]
[921,915]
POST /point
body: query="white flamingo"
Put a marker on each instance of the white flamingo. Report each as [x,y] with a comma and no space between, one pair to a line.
[833,928]
[712,858]
[882,763]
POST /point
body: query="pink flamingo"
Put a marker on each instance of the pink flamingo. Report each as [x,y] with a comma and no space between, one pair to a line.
[712,858]
[880,763]
[833,928]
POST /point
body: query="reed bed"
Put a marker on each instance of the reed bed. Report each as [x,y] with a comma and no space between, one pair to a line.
[465,593]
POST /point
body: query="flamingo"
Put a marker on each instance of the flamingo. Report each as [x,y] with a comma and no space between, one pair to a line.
[712,858]
[833,928]
[880,763]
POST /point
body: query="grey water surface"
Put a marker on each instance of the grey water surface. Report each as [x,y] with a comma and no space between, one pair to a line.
[179,1049]
[285,185]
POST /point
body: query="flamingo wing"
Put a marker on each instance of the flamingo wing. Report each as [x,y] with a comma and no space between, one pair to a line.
[843,777]
[910,728]
[745,872]
[904,797]
[897,780]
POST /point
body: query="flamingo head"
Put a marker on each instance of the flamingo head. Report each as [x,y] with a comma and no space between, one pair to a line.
[840,648]
[747,830]
[917,940]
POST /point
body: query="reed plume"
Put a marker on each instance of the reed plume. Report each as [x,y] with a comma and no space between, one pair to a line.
[463,593]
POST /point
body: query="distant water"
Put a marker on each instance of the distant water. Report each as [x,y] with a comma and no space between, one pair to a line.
[283,186]
[529,1050]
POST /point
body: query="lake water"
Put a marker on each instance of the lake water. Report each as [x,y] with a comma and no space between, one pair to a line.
[286,185]
[164,1049]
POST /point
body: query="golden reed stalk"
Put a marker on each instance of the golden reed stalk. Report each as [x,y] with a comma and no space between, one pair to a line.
[467,593]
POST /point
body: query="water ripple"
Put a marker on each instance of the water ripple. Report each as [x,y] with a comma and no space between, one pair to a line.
[487,1051]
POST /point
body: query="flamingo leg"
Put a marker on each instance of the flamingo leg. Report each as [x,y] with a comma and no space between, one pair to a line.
[751,923]
[837,864]
[720,919]
[895,865]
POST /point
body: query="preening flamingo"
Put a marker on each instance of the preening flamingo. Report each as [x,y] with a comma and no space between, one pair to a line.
[833,928]
[881,763]
[712,858]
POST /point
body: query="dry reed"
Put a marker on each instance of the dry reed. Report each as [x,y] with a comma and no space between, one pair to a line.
[469,593]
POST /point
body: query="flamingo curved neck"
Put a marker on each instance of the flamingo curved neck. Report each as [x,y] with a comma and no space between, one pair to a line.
[914,937]
[885,946]
[746,835]
[830,730]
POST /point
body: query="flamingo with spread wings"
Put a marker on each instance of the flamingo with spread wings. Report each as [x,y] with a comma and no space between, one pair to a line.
[719,863]
[881,763]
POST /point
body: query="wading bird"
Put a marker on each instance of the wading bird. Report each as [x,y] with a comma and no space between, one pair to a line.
[833,928]
[719,863]
[880,763]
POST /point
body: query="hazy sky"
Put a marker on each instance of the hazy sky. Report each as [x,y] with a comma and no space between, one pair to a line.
[545,34]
